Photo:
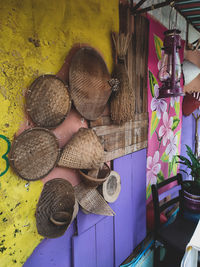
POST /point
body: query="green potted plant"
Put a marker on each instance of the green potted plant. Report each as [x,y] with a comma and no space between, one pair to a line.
[191,187]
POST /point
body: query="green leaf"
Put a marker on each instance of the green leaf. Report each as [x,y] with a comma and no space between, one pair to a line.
[178,135]
[192,156]
[158,45]
[160,176]
[177,108]
[184,161]
[175,166]
[175,124]
[165,157]
[154,122]
[152,81]
[148,191]
[170,166]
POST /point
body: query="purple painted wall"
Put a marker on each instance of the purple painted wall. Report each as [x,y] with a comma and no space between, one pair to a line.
[103,241]
[188,135]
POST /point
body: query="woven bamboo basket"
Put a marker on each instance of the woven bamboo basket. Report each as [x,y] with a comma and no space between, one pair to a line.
[34,153]
[102,175]
[89,83]
[122,101]
[55,208]
[91,201]
[83,151]
[48,101]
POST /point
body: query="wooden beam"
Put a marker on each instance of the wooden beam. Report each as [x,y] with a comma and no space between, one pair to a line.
[141,2]
[152,7]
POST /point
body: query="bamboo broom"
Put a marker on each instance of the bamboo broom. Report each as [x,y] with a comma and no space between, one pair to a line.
[122,101]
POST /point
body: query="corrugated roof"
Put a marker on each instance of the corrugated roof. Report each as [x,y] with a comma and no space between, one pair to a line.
[190,10]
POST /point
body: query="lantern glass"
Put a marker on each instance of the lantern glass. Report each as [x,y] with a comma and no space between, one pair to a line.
[170,66]
[165,72]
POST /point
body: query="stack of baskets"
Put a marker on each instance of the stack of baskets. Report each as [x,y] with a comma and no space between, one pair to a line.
[35,152]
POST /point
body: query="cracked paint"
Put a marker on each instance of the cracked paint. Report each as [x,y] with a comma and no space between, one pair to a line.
[35,37]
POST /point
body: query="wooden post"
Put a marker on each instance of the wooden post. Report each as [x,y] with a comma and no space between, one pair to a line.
[196,134]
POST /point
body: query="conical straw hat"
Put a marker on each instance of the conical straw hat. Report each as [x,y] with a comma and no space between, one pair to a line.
[88,83]
[190,71]
[91,200]
[83,151]
[48,101]
[34,153]
[56,208]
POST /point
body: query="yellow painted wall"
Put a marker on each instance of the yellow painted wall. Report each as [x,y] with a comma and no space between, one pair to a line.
[35,37]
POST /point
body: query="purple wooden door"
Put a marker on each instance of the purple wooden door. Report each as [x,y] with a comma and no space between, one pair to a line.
[103,241]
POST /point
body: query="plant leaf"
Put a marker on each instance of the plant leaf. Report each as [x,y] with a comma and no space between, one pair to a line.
[185,161]
[192,156]
[170,167]
[175,166]
[158,45]
[183,171]
[160,177]
[175,124]
[177,108]
[154,122]
[148,191]
[165,157]
[178,133]
[152,81]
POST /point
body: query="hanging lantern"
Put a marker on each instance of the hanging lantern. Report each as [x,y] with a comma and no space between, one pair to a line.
[170,68]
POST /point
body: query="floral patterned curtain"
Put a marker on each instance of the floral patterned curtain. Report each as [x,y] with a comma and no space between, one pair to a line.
[165,116]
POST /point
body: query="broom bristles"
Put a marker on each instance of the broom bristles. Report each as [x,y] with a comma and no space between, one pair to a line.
[121,42]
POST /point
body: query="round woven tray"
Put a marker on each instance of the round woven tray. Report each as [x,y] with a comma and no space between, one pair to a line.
[57,200]
[48,101]
[88,80]
[34,153]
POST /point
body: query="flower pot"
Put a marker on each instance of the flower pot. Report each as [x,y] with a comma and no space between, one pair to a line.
[191,201]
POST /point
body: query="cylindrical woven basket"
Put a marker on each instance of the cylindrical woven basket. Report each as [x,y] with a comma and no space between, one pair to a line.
[57,197]
[122,103]
[48,101]
[34,153]
[102,176]
[83,151]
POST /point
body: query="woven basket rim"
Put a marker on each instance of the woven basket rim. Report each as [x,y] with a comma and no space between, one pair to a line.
[92,179]
[101,59]
[13,147]
[91,49]
[28,92]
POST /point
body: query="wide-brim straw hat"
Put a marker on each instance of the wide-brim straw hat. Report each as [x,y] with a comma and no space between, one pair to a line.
[102,175]
[89,83]
[34,153]
[56,208]
[48,101]
[83,151]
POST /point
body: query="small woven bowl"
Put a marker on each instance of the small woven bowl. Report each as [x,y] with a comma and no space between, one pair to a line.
[48,101]
[34,153]
[102,176]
